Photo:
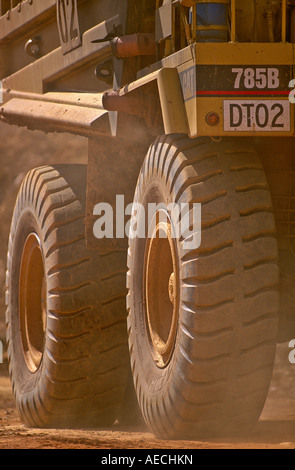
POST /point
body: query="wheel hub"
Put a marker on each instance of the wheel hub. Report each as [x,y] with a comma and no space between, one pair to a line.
[32,302]
[161,289]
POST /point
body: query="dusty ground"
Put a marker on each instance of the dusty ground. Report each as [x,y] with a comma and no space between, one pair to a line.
[275,430]
[21,150]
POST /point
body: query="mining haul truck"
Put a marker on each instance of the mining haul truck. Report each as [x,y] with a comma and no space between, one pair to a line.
[113,312]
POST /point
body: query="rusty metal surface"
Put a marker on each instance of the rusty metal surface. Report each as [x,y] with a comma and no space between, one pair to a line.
[143,103]
[50,116]
[134,45]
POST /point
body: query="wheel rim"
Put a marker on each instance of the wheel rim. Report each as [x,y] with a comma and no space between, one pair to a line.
[32,302]
[161,287]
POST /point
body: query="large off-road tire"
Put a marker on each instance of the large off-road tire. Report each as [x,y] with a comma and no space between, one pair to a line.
[66,312]
[202,321]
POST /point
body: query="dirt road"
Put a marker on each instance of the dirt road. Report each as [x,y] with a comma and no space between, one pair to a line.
[275,430]
[278,432]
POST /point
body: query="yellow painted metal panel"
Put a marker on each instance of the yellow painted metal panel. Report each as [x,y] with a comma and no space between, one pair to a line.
[265,101]
[244,53]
